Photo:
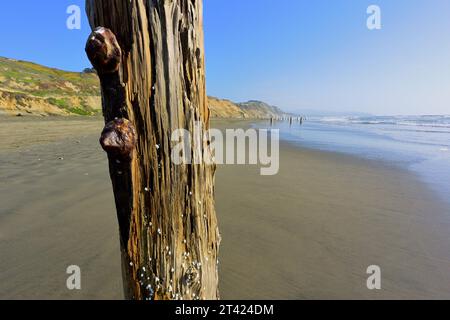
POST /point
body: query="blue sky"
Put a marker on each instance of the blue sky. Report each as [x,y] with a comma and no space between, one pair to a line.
[297,54]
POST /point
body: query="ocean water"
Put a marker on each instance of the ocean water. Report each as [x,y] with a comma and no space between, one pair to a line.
[418,143]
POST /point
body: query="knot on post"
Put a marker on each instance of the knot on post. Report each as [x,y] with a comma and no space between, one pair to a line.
[104,51]
[118,139]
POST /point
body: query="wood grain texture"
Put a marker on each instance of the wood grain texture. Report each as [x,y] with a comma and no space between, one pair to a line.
[168,224]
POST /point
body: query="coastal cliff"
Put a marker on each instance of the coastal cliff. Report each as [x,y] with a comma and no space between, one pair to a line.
[30,89]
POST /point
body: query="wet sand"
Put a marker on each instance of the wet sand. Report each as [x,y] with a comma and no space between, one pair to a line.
[309,232]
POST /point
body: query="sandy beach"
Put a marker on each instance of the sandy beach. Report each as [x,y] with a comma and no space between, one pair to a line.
[309,232]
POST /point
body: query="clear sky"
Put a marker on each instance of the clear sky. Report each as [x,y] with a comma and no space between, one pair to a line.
[297,54]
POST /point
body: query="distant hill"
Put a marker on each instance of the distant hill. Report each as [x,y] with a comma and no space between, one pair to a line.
[246,110]
[29,88]
[259,109]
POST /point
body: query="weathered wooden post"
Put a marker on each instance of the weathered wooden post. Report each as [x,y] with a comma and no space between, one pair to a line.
[149,55]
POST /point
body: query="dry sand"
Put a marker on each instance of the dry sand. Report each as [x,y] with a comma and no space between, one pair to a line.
[308,233]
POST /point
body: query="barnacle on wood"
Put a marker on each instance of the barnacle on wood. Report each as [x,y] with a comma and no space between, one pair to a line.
[118,138]
[104,51]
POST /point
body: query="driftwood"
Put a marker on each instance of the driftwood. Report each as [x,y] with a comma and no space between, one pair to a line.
[149,55]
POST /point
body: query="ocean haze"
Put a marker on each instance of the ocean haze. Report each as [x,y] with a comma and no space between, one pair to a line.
[329,113]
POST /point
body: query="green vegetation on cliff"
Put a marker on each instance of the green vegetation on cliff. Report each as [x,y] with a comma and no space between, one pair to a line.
[27,87]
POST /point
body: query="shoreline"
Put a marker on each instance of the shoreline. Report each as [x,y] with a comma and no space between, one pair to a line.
[421,167]
[362,211]
[308,233]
